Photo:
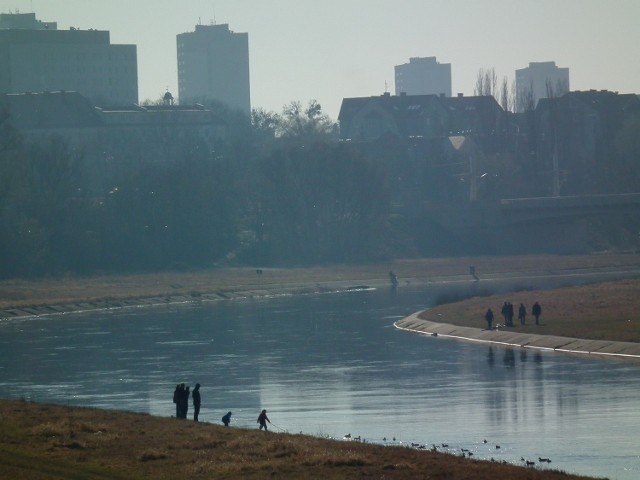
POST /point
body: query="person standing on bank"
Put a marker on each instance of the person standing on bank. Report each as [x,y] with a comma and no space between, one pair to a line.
[184,403]
[195,395]
[489,318]
[510,314]
[262,420]
[522,313]
[536,311]
[505,313]
[176,399]
[181,400]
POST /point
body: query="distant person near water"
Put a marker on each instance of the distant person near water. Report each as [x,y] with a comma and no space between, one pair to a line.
[195,395]
[536,311]
[185,402]
[522,313]
[262,420]
[510,314]
[489,318]
[393,278]
[505,313]
[176,396]
[226,419]
[181,399]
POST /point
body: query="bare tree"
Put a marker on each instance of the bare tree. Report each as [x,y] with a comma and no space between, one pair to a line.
[506,95]
[486,82]
[479,83]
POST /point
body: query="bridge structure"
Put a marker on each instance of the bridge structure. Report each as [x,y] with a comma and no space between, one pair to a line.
[545,224]
[517,210]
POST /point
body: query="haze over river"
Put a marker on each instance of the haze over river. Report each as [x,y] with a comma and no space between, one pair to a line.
[332,364]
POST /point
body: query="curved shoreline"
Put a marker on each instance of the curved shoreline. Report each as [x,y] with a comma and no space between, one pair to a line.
[35,310]
[599,348]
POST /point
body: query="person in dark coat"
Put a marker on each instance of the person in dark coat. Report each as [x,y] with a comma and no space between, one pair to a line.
[505,313]
[489,318]
[226,419]
[176,397]
[510,313]
[195,396]
[185,402]
[182,401]
[536,311]
[522,313]
[179,396]
[262,420]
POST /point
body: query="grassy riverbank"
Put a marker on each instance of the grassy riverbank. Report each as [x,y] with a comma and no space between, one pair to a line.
[51,291]
[604,311]
[47,442]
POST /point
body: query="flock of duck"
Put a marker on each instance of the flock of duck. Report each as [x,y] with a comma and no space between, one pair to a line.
[444,448]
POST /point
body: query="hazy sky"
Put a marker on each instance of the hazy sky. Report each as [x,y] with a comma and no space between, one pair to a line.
[331,49]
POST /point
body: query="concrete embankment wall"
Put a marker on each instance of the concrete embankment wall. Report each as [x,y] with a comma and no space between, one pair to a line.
[31,311]
[600,348]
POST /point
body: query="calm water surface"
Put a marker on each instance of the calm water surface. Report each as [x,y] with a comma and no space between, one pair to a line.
[333,364]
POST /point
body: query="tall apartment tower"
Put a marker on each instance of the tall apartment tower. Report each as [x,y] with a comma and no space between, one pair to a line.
[37,57]
[539,80]
[423,76]
[213,64]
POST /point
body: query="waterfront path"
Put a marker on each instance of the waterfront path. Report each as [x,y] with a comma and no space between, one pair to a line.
[599,348]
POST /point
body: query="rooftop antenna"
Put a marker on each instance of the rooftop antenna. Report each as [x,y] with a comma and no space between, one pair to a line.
[199,21]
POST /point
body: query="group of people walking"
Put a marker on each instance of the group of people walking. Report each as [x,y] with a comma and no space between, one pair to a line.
[181,399]
[508,313]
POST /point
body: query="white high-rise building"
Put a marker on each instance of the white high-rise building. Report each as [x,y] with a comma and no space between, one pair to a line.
[423,76]
[213,64]
[539,80]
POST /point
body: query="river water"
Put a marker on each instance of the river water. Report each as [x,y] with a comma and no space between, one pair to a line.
[331,365]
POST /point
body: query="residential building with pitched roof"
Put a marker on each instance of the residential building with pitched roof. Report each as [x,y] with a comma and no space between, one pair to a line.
[419,116]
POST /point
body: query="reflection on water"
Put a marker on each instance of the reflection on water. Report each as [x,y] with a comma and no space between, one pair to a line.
[332,365]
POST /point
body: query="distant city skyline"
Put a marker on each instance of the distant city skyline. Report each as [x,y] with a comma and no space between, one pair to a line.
[329,50]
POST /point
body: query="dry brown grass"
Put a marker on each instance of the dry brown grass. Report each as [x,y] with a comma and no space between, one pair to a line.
[605,311]
[45,442]
[56,442]
[16,293]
